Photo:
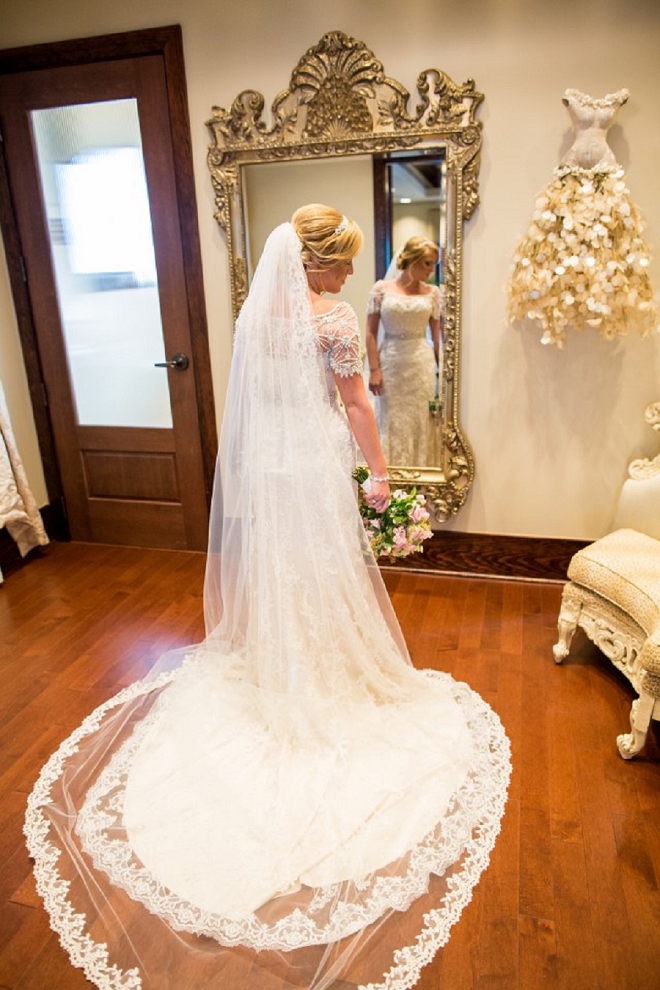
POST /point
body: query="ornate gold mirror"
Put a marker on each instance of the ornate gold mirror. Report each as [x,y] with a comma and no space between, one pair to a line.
[349,133]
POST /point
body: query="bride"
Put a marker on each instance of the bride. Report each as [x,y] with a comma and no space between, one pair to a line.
[289,804]
[403,367]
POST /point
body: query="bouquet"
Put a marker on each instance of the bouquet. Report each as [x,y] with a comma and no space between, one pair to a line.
[402,528]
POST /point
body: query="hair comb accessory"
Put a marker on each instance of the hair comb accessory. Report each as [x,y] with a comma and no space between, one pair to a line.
[342,226]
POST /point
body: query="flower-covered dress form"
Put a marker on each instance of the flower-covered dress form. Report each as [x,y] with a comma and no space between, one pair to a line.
[584,262]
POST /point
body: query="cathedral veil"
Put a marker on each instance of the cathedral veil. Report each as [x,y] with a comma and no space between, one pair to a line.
[289,804]
[281,484]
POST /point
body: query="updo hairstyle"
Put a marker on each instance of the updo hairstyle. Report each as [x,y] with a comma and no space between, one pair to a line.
[414,250]
[322,246]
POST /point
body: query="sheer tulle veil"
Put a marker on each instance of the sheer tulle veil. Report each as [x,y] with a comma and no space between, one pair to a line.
[282,483]
[289,804]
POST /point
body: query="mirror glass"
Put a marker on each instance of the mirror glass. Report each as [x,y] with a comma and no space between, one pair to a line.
[416,200]
[346,134]
[273,190]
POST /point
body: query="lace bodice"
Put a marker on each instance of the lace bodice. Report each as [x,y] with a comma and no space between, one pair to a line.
[405,317]
[591,119]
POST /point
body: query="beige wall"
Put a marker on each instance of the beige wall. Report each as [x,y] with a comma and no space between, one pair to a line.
[275,190]
[552,432]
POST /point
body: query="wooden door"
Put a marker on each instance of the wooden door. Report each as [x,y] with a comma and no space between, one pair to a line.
[111,314]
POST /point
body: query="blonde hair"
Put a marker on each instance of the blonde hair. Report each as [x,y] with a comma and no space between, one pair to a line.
[414,250]
[328,238]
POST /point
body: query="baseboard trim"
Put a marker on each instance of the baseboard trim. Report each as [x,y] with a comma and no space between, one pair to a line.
[490,555]
[528,558]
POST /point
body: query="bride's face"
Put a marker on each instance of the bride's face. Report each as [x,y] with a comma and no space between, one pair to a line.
[423,269]
[334,278]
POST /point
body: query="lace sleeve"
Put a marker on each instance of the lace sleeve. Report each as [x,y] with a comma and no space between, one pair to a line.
[341,328]
[375,299]
[438,300]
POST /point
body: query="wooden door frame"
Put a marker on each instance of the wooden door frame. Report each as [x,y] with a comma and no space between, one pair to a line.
[166,42]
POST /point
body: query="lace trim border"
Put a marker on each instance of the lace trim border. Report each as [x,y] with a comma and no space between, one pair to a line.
[86,954]
[93,957]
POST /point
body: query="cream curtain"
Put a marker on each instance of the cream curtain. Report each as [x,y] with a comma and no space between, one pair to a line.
[18,509]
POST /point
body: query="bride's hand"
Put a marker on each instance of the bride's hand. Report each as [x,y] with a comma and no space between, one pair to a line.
[376,381]
[379,495]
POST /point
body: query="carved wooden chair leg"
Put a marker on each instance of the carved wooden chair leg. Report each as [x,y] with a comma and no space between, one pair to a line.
[566,626]
[640,718]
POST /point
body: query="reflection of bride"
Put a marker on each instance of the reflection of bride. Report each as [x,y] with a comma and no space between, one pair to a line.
[290,802]
[403,367]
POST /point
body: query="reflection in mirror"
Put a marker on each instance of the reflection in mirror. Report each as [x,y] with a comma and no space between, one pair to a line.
[413,198]
[272,191]
[338,109]
[411,201]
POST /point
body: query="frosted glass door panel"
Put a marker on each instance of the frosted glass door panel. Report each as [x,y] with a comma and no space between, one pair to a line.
[95,195]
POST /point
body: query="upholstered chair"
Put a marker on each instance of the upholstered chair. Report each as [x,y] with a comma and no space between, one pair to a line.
[613,593]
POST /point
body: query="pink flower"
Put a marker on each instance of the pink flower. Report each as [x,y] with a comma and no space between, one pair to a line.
[400,538]
[418,513]
[419,533]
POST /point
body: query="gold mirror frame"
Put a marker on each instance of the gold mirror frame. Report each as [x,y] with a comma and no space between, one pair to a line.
[339,102]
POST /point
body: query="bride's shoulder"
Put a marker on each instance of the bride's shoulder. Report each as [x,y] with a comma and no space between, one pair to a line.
[383,285]
[337,315]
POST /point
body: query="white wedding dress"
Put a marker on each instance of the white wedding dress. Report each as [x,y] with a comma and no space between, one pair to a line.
[261,810]
[409,371]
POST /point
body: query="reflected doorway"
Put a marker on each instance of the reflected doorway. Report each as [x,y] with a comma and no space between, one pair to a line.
[410,199]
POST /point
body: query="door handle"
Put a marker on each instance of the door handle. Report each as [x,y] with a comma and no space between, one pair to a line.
[179,361]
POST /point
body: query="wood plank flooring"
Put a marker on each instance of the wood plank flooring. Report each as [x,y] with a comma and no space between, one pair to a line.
[571,898]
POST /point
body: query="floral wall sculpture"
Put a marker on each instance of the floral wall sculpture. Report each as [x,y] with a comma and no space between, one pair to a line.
[584,261]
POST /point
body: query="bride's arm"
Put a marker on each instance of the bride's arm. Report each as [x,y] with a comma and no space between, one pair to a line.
[436,323]
[375,373]
[435,334]
[363,424]
[346,364]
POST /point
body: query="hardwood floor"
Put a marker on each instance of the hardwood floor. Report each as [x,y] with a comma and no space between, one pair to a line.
[571,897]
